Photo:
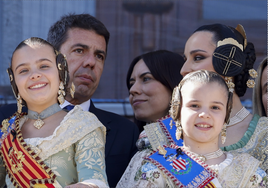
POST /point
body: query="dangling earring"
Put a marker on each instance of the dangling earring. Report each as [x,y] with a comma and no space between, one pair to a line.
[19,103]
[223,134]
[178,130]
[72,90]
[61,93]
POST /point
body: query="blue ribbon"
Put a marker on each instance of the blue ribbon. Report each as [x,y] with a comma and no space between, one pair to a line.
[194,175]
[172,131]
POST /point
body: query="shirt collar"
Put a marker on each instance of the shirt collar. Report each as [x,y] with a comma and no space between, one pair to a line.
[85,105]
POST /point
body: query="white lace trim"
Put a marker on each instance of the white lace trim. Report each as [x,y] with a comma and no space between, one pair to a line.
[223,164]
[99,183]
[77,122]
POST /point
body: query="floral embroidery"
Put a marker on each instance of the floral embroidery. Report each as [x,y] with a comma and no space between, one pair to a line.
[156,175]
[88,150]
[148,172]
[98,176]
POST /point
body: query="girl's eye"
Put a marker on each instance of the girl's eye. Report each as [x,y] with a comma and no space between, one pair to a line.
[44,66]
[23,71]
[194,106]
[215,108]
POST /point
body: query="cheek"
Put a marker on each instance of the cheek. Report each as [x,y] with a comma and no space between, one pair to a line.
[20,82]
[185,118]
[207,65]
[130,98]
[98,70]
[73,66]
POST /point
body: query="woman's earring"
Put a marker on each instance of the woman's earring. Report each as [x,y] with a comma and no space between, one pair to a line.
[61,93]
[178,130]
[19,103]
[223,134]
[72,90]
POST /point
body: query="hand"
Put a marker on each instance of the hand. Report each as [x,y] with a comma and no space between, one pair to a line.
[81,185]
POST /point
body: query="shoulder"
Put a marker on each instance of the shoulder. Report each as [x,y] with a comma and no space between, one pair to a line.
[262,122]
[113,118]
[81,117]
[8,110]
[244,158]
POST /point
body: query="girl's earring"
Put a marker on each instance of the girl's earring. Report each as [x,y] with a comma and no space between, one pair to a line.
[178,130]
[19,103]
[61,93]
[223,134]
[72,90]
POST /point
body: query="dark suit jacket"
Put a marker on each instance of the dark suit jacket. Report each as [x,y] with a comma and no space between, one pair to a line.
[121,138]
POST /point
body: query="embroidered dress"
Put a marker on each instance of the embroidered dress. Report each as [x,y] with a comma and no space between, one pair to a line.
[74,152]
[254,141]
[237,170]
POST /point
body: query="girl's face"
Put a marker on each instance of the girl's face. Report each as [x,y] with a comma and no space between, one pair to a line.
[148,97]
[264,83]
[36,75]
[203,111]
[198,52]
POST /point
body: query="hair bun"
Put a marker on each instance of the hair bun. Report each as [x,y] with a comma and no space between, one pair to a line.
[228,60]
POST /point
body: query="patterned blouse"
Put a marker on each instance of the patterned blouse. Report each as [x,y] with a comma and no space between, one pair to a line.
[74,152]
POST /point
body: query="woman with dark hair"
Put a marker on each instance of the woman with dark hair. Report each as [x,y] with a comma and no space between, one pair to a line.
[162,66]
[260,90]
[225,50]
[48,147]
[151,79]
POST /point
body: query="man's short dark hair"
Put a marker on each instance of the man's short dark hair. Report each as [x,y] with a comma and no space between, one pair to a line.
[57,34]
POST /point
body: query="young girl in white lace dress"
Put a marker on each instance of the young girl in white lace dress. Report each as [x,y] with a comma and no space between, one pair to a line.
[201,107]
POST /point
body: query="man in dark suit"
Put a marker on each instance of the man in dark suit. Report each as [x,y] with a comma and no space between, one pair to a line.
[84,39]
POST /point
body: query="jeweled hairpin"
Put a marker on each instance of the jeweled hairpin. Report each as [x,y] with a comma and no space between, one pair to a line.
[230,84]
[253,74]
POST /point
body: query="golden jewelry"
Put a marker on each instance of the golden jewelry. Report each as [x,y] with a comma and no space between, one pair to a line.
[242,31]
[61,93]
[59,66]
[72,90]
[171,124]
[162,151]
[175,103]
[230,84]
[178,130]
[19,103]
[223,134]
[253,74]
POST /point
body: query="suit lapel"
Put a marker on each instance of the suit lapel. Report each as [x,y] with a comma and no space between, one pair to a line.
[111,132]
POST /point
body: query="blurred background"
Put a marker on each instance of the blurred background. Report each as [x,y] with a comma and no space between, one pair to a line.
[135,26]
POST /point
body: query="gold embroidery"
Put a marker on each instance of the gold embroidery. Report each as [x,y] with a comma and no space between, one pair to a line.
[239,172]
[16,159]
[155,135]
[5,125]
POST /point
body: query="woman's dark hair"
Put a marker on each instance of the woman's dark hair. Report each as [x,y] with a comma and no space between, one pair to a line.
[61,64]
[221,32]
[165,67]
